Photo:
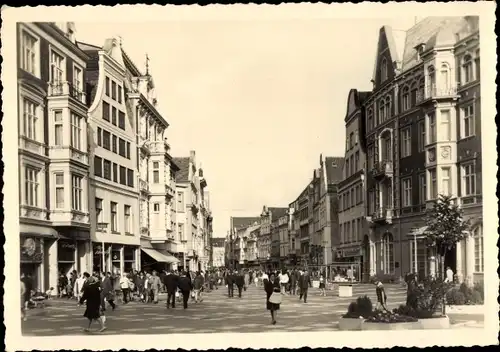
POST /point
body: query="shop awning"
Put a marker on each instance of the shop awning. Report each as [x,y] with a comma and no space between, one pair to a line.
[160,257]
[417,231]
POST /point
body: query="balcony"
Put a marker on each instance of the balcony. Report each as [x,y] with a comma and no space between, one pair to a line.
[382,169]
[31,146]
[66,89]
[159,147]
[169,192]
[68,153]
[143,186]
[67,217]
[33,213]
[382,215]
[436,92]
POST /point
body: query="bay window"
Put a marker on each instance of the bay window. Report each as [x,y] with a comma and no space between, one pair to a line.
[59,183]
[76,131]
[30,47]
[77,186]
[31,186]
[30,119]
[58,128]
[445,127]
[446,181]
[56,68]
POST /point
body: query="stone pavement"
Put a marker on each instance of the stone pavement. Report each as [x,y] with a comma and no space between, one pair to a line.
[217,313]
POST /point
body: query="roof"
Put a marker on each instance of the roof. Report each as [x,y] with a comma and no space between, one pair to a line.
[238,222]
[183,174]
[334,166]
[277,213]
[92,70]
[129,65]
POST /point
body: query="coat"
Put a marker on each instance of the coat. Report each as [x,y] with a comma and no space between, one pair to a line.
[92,295]
[107,289]
[271,287]
[171,282]
[305,282]
[239,280]
[185,284]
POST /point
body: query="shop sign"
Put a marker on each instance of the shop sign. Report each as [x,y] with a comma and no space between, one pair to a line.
[350,252]
[31,250]
[97,250]
[67,245]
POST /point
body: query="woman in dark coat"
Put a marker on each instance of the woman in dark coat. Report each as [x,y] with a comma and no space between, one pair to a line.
[92,297]
[272,286]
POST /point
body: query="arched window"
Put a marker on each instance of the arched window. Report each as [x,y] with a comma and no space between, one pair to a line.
[444,78]
[388,110]
[413,94]
[383,70]
[431,77]
[405,98]
[477,235]
[381,111]
[467,71]
[388,253]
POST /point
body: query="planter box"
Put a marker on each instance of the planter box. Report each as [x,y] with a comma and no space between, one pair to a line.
[352,324]
[390,326]
[466,309]
[315,284]
[345,290]
[434,323]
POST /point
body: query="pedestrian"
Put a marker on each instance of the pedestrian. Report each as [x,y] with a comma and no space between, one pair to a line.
[381,296]
[284,279]
[185,287]
[239,280]
[92,297]
[125,287]
[171,284]
[449,275]
[247,280]
[23,298]
[230,284]
[155,286]
[322,290]
[107,292]
[273,296]
[79,287]
[304,284]
[197,286]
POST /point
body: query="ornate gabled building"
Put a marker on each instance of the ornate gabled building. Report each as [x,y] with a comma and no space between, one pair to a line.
[270,236]
[53,153]
[233,245]
[423,137]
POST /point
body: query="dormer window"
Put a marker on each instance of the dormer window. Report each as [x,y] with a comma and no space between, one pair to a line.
[420,50]
[383,70]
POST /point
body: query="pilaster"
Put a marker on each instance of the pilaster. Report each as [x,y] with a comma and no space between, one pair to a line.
[469,263]
[52,265]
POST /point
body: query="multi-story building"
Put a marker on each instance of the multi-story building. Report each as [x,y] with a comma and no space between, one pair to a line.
[236,224]
[301,219]
[218,245]
[294,251]
[113,189]
[252,248]
[284,238]
[269,238]
[424,139]
[353,228]
[53,153]
[241,244]
[192,214]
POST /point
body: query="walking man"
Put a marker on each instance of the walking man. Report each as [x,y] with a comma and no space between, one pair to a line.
[155,286]
[304,284]
[185,286]
[230,284]
[240,282]
[171,283]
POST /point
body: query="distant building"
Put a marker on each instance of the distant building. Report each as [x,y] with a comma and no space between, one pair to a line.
[218,246]
[269,238]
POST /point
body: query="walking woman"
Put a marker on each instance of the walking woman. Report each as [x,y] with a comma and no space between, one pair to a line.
[92,297]
[322,290]
[272,288]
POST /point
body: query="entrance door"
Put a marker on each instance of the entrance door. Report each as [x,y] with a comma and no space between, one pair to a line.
[451,261]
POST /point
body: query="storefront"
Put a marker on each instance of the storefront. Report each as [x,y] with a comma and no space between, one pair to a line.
[156,260]
[66,256]
[350,258]
[32,260]
[114,258]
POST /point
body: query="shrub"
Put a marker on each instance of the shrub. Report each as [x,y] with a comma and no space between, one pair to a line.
[479,287]
[455,297]
[362,307]
[390,317]
[427,297]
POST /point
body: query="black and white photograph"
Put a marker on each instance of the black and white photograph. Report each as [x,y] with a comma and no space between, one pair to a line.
[190,177]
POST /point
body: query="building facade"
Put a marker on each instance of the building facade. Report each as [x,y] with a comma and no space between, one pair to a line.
[269,238]
[53,153]
[218,249]
[423,137]
[237,225]
[252,248]
[352,215]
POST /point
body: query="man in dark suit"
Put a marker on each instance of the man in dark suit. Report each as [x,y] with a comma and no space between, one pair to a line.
[107,292]
[239,280]
[171,282]
[304,284]
[230,284]
[185,286]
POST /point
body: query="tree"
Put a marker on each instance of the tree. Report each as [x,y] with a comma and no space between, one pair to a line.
[445,227]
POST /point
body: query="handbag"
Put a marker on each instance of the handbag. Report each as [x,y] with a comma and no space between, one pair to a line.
[275,298]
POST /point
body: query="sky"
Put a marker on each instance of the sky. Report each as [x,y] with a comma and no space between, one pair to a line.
[258,100]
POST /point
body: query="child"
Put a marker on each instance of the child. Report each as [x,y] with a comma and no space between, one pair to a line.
[381,296]
[322,286]
[49,293]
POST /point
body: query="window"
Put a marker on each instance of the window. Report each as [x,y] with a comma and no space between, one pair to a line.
[106,140]
[388,108]
[431,76]
[420,93]
[418,265]
[477,235]
[127,219]
[128,151]
[371,156]
[477,63]
[30,119]
[77,185]
[31,184]
[406,142]
[58,128]
[119,94]
[105,111]
[421,136]
[130,178]
[387,148]
[370,119]
[356,137]
[467,70]
[56,68]
[98,210]
[156,172]
[356,161]
[422,188]
[432,128]
[181,232]
[347,143]
[114,144]
[123,175]
[468,180]
[445,125]
[113,90]
[406,192]
[381,111]
[388,254]
[107,86]
[351,140]
[107,169]
[347,168]
[413,95]
[405,98]
[468,121]
[77,78]
[59,181]
[383,70]
[121,120]
[121,147]
[371,202]
[113,115]
[180,200]
[76,131]
[99,136]
[432,178]
[29,53]
[114,217]
[115,172]
[97,166]
[156,207]
[445,181]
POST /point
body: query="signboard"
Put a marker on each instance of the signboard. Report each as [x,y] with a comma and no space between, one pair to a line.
[66,251]
[31,250]
[350,252]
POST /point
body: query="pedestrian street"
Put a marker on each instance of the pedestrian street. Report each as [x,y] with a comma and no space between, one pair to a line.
[217,313]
